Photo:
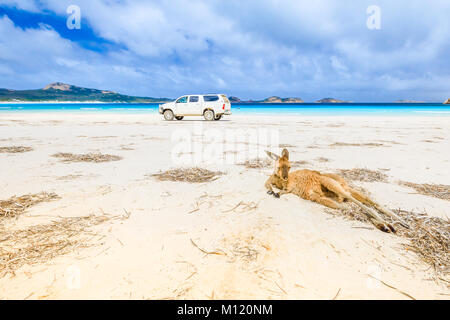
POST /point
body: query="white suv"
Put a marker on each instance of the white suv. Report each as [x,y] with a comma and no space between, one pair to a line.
[210,106]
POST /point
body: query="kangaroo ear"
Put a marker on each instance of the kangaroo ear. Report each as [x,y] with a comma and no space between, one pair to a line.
[272,156]
[285,154]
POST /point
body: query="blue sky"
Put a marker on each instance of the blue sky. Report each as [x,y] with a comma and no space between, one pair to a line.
[250,49]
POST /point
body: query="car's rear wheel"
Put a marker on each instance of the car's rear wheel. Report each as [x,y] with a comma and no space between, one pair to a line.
[168,115]
[179,118]
[218,117]
[209,115]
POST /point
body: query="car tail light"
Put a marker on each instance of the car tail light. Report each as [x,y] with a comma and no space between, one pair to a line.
[223,108]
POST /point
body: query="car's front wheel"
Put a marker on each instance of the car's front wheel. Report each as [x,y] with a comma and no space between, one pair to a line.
[209,115]
[217,118]
[168,115]
[179,118]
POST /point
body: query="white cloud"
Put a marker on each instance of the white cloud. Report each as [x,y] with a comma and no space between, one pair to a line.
[252,49]
[29,5]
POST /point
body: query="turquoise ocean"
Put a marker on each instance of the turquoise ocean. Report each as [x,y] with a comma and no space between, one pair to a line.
[394,109]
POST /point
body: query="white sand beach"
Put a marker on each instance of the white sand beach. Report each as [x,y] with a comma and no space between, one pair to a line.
[225,238]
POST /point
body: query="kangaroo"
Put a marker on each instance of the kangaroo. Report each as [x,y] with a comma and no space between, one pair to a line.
[328,189]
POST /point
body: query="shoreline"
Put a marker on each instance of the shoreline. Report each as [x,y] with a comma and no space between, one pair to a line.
[242,109]
[234,103]
[77,102]
[236,116]
[322,113]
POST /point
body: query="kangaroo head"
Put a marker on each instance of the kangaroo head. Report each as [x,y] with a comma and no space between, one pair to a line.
[282,165]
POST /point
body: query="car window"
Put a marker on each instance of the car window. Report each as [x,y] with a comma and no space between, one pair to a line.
[182,100]
[210,98]
[225,99]
[193,99]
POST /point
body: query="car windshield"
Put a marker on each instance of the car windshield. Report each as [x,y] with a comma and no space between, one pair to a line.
[210,98]
[182,100]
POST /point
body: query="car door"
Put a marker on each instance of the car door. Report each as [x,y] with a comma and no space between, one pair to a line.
[181,105]
[195,105]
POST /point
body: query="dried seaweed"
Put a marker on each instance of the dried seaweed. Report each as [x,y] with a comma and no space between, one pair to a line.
[15,206]
[257,163]
[286,145]
[192,175]
[15,149]
[428,237]
[88,157]
[69,177]
[218,252]
[243,207]
[299,163]
[243,249]
[345,144]
[362,174]
[439,191]
[40,243]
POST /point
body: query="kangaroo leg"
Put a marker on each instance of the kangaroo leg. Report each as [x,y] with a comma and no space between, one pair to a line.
[330,203]
[336,177]
[268,185]
[366,200]
[374,217]
[280,193]
[356,194]
[361,197]
[337,188]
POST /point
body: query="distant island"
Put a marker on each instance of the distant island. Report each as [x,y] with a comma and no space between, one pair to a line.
[59,92]
[409,101]
[330,100]
[234,99]
[276,99]
[62,92]
[273,99]
[282,100]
